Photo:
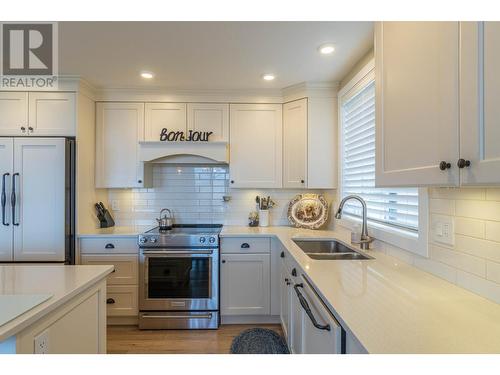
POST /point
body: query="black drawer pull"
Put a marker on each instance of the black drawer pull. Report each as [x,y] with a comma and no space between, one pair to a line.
[223,261]
[294,272]
[282,255]
[109,246]
[110,301]
[245,246]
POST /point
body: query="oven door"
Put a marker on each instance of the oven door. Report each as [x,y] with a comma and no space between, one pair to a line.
[179,280]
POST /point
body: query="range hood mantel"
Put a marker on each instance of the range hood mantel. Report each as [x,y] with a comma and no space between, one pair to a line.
[155,150]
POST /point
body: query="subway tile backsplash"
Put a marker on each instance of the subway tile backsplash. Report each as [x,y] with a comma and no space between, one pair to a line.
[194,194]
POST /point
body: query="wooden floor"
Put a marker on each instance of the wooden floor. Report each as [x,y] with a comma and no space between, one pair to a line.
[130,340]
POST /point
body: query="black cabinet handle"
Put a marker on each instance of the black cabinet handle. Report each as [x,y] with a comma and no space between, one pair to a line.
[232,181]
[4,199]
[223,261]
[462,163]
[30,129]
[110,301]
[109,246]
[13,199]
[294,272]
[245,246]
[444,165]
[23,129]
[302,181]
[282,255]
[307,309]
[139,181]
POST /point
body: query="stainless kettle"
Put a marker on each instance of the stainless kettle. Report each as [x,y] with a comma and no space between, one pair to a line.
[166,222]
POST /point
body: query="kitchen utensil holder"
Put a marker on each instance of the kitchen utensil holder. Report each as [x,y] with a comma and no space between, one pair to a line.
[263,218]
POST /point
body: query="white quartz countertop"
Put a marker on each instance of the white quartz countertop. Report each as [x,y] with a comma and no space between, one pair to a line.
[61,282]
[113,231]
[389,306]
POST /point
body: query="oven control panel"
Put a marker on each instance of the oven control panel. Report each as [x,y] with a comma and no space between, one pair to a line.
[178,241]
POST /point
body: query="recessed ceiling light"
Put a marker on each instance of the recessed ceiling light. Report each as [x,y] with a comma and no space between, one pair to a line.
[326,49]
[147,75]
[268,77]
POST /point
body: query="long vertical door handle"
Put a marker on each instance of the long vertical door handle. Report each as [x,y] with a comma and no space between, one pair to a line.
[13,199]
[4,199]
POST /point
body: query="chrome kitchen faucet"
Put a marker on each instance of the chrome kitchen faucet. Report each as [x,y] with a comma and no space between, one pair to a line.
[365,238]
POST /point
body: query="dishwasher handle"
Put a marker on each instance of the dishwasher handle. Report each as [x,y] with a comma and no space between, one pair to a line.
[307,309]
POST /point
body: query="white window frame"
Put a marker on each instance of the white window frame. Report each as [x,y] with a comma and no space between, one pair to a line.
[415,242]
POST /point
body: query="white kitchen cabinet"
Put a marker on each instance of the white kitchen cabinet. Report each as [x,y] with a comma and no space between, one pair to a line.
[245,284]
[171,116]
[52,114]
[255,145]
[209,117]
[6,168]
[295,144]
[285,298]
[120,128]
[13,113]
[479,109]
[417,105]
[39,214]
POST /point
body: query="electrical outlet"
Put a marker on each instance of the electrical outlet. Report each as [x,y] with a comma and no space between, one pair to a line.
[442,228]
[42,343]
[115,205]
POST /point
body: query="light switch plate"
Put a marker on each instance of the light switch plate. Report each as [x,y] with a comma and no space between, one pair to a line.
[443,229]
[115,205]
[42,343]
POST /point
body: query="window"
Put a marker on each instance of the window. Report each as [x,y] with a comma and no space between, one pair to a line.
[395,206]
[397,215]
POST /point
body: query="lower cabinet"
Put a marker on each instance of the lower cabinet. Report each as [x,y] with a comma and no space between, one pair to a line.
[122,298]
[245,284]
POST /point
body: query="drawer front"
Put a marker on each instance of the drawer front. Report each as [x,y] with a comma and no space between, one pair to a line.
[122,300]
[126,267]
[245,245]
[109,245]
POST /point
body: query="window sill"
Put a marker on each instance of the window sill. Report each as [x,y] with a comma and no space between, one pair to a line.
[406,240]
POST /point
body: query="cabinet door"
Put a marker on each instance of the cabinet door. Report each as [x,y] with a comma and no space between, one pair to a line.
[13,113]
[480,112]
[39,222]
[285,299]
[6,166]
[245,284]
[52,113]
[417,109]
[255,145]
[295,144]
[209,117]
[120,126]
[171,116]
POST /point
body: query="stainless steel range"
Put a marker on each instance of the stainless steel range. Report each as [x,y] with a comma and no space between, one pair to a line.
[179,278]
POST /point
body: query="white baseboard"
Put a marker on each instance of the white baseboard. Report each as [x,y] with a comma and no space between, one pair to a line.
[123,320]
[250,319]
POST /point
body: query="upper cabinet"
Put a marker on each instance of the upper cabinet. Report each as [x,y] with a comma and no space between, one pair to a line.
[417,103]
[256,145]
[310,143]
[171,116]
[52,113]
[37,113]
[295,144]
[209,117]
[437,112]
[479,109]
[120,128]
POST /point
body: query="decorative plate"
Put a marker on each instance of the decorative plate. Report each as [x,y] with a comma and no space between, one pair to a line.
[308,211]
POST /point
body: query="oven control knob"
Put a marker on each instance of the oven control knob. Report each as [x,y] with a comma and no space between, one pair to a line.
[211,240]
[202,239]
[143,240]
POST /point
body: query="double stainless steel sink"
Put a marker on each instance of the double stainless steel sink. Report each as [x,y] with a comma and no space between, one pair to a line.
[329,249]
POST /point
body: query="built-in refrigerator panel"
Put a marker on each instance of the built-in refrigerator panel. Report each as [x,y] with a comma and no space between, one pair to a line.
[40,199]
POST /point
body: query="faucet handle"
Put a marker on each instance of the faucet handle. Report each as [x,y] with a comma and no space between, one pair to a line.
[364,243]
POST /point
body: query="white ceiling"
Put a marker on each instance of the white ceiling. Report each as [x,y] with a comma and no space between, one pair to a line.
[210,55]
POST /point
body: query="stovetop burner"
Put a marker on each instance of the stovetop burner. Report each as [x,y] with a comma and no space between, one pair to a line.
[182,236]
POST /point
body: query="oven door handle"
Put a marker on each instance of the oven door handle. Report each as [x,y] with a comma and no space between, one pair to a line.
[168,254]
[200,316]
